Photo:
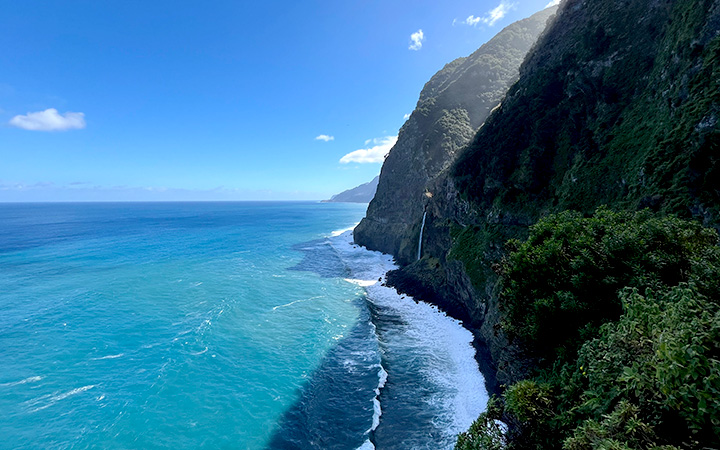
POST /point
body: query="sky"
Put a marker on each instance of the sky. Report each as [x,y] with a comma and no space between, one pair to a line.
[125,100]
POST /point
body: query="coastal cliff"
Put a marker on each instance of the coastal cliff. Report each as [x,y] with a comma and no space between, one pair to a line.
[452,105]
[617,105]
[359,194]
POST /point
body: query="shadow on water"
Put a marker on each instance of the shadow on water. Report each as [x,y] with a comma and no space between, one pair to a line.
[335,408]
[320,257]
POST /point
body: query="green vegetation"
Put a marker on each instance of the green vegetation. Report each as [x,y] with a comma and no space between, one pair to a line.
[451,107]
[618,105]
[474,246]
[562,283]
[624,310]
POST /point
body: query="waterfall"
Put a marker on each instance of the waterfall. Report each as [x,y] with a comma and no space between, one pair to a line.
[422,227]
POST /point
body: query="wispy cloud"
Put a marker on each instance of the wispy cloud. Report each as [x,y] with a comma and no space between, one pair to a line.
[374,154]
[553,3]
[49,120]
[471,20]
[416,40]
[491,17]
[325,137]
[497,13]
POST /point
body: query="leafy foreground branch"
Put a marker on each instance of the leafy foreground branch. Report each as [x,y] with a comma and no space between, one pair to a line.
[622,314]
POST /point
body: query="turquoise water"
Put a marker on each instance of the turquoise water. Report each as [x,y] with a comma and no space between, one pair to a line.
[209,325]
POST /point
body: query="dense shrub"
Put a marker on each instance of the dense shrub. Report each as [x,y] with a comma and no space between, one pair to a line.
[631,305]
[563,282]
[654,375]
[487,432]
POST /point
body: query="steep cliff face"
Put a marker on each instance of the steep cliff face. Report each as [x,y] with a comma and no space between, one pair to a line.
[452,105]
[618,104]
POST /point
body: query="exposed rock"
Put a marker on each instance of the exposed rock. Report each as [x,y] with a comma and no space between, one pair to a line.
[452,105]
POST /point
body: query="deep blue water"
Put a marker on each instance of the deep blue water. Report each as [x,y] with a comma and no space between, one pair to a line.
[217,325]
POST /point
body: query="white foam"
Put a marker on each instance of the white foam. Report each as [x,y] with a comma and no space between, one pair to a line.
[367,445]
[25,381]
[344,230]
[275,308]
[377,407]
[443,341]
[119,355]
[50,399]
[362,283]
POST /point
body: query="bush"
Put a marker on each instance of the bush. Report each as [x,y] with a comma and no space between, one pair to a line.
[630,305]
[661,362]
[563,282]
[487,432]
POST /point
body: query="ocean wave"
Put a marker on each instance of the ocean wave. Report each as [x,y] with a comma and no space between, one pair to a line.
[25,381]
[361,283]
[119,355]
[438,345]
[367,445]
[382,380]
[377,407]
[275,308]
[337,233]
[46,401]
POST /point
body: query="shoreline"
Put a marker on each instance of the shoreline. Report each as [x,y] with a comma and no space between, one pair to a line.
[407,285]
[447,341]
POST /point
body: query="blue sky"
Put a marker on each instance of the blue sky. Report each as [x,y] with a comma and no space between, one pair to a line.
[217,100]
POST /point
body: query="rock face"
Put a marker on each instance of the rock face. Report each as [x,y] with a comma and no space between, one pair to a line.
[618,104]
[360,194]
[452,105]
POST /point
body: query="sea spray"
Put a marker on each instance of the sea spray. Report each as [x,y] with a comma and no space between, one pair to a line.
[433,388]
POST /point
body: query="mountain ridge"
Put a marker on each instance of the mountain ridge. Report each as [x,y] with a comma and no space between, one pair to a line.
[359,194]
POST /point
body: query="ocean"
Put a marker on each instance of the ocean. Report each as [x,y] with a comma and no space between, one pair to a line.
[245,325]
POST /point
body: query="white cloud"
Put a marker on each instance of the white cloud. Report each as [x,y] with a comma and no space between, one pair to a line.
[497,13]
[406,116]
[374,154]
[553,3]
[417,39]
[493,16]
[49,120]
[471,20]
[324,137]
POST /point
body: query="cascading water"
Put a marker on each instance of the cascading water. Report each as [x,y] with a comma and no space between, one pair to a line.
[422,227]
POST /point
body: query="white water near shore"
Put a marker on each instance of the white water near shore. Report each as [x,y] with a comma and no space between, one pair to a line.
[441,342]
